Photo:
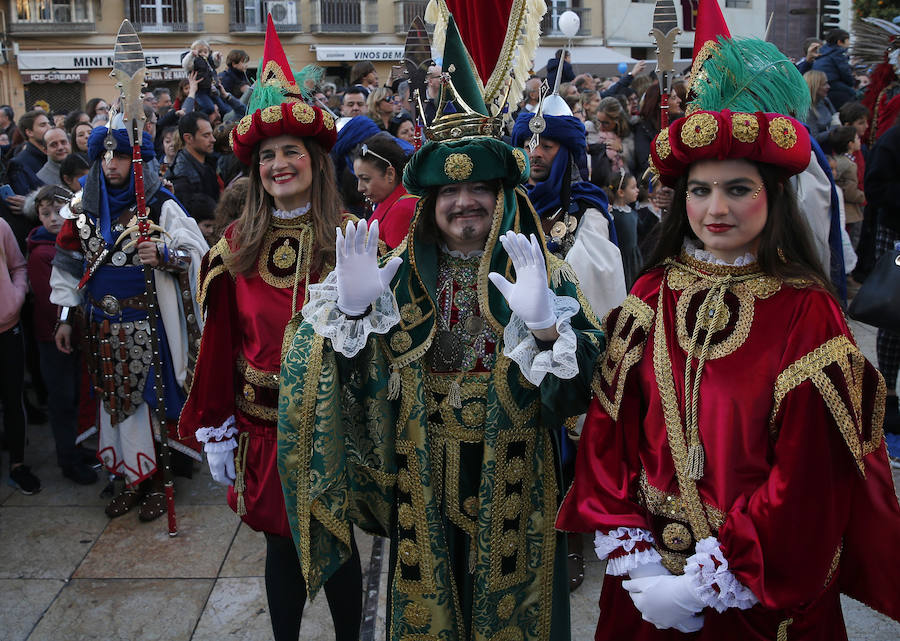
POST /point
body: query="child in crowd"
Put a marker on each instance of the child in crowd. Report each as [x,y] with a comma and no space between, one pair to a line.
[234,79]
[623,193]
[845,142]
[13,286]
[203,209]
[203,62]
[60,370]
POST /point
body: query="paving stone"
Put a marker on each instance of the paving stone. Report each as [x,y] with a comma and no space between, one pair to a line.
[137,610]
[22,602]
[247,555]
[236,610]
[50,542]
[864,624]
[131,549]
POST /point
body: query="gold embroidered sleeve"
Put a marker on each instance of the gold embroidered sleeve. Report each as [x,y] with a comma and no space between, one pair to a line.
[626,329]
[851,388]
[213,266]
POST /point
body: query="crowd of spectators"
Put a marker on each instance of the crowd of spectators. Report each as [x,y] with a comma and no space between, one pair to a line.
[42,149]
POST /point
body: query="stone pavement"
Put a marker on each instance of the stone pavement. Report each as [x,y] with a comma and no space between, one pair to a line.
[68,572]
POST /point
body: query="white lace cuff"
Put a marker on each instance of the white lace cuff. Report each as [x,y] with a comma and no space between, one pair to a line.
[624,538]
[220,446]
[520,346]
[348,337]
[213,434]
[713,582]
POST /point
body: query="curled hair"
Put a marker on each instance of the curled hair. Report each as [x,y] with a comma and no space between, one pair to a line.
[785,248]
[325,208]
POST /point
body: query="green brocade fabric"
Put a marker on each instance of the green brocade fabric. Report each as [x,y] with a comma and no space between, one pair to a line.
[468,494]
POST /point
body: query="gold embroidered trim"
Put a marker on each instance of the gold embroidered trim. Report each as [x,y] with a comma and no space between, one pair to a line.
[421,543]
[744,127]
[254,409]
[303,112]
[259,377]
[782,132]
[738,335]
[674,428]
[663,149]
[271,114]
[244,125]
[278,245]
[849,418]
[622,353]
[511,541]
[218,254]
[521,161]
[782,630]
[835,562]
[699,130]
[458,167]
[328,120]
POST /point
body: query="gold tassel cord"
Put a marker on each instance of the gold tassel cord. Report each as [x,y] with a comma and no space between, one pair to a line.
[454,396]
[240,467]
[712,307]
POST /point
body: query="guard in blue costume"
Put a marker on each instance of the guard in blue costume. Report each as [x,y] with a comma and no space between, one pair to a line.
[98,276]
[573,211]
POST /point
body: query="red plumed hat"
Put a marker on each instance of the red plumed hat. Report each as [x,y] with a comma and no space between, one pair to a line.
[277,107]
[725,135]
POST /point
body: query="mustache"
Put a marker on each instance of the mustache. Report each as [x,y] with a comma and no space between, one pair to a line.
[480,211]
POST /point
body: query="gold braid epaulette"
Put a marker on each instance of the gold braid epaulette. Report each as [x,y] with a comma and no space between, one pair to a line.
[215,267]
[844,390]
[626,329]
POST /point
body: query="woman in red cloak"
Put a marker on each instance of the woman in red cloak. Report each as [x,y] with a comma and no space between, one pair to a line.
[732,462]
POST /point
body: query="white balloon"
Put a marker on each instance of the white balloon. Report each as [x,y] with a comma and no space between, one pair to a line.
[569,22]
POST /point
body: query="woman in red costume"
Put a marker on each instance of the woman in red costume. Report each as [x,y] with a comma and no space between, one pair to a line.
[378,164]
[732,462]
[251,284]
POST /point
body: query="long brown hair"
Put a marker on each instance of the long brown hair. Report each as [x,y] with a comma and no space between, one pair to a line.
[785,247]
[325,209]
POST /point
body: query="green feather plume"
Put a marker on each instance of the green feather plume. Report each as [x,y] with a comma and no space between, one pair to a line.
[266,93]
[748,74]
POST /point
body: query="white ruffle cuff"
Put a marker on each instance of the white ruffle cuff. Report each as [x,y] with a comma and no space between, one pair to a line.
[519,344]
[713,582]
[625,538]
[348,337]
[214,435]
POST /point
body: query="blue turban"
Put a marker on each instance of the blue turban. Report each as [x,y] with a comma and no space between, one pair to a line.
[355,131]
[96,147]
[569,132]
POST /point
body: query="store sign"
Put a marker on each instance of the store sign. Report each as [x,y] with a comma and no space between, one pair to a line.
[96,59]
[54,76]
[162,75]
[356,54]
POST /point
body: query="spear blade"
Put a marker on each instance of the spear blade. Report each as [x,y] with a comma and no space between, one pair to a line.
[664,31]
[130,71]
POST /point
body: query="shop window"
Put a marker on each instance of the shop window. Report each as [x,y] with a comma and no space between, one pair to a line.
[53,11]
[61,96]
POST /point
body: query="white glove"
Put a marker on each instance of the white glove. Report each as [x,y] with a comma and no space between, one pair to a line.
[221,461]
[654,568]
[667,601]
[529,297]
[359,279]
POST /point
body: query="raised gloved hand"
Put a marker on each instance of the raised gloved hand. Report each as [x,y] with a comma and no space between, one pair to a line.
[221,461]
[529,297]
[359,279]
[667,601]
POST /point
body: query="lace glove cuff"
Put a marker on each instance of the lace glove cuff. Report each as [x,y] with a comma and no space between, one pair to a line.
[625,549]
[519,344]
[712,581]
[210,435]
[347,336]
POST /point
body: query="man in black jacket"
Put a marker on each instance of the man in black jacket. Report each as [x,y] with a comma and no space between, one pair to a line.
[23,168]
[194,170]
[834,63]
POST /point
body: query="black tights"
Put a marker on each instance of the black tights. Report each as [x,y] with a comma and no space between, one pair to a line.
[286,592]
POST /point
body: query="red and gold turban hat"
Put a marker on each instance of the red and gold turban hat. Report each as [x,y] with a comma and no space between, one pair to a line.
[725,135]
[277,107]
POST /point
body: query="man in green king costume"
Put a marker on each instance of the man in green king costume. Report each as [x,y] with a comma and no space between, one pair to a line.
[422,403]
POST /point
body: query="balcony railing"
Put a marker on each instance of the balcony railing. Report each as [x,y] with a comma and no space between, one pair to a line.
[250,15]
[344,16]
[550,21]
[163,16]
[406,11]
[46,16]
